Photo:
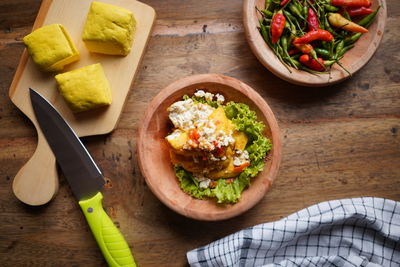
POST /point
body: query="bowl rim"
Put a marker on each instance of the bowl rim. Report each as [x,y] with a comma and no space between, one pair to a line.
[276,152]
[264,53]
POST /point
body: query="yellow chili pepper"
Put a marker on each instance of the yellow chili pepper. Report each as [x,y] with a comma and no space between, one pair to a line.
[337,20]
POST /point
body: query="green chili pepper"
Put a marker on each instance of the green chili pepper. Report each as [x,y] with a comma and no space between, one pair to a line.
[331,8]
[366,21]
[305,11]
[297,12]
[267,13]
[287,26]
[322,52]
[329,62]
[284,42]
[344,50]
[352,39]
[264,33]
[339,48]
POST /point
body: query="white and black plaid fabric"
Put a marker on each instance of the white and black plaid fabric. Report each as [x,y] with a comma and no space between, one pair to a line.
[349,232]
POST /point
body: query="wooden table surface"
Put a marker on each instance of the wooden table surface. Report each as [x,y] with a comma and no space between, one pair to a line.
[338,142]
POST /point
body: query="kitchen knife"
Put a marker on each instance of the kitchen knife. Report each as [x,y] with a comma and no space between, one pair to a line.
[85,180]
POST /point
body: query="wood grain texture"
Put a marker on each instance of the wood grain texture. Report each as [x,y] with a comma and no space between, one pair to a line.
[338,141]
[153,149]
[37,181]
[353,61]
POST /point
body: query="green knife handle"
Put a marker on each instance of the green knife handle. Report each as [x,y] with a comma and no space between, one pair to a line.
[111,242]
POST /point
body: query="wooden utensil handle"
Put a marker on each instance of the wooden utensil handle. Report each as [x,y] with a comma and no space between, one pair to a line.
[36,183]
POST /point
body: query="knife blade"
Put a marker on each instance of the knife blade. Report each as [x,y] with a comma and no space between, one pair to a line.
[84,178]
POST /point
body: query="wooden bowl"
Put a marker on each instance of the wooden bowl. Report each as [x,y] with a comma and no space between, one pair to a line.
[353,60]
[153,150]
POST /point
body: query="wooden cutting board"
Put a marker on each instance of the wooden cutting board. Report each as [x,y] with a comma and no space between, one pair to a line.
[37,181]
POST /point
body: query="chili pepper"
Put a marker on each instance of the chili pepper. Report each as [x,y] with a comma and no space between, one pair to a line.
[312,63]
[331,8]
[284,43]
[328,63]
[304,48]
[307,49]
[194,135]
[359,11]
[305,11]
[351,3]
[267,13]
[277,26]
[293,8]
[264,32]
[313,23]
[339,48]
[344,50]
[339,21]
[322,52]
[352,39]
[293,51]
[314,35]
[366,21]
[284,2]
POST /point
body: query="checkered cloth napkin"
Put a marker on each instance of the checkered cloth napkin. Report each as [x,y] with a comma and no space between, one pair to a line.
[348,232]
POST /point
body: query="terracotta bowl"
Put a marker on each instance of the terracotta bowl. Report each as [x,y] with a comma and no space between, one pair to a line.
[153,150]
[353,60]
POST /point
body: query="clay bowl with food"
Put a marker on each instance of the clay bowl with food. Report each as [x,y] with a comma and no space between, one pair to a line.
[353,60]
[154,157]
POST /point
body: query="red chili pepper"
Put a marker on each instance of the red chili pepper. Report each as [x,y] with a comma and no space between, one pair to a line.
[277,26]
[312,63]
[284,2]
[359,11]
[351,3]
[314,35]
[194,134]
[313,23]
[304,48]
[241,167]
[293,51]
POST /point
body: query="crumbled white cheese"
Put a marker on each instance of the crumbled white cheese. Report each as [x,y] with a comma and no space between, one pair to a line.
[187,115]
[204,182]
[200,93]
[241,157]
[220,98]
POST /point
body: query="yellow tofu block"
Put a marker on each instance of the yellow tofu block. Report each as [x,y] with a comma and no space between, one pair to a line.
[222,122]
[85,88]
[177,139]
[240,140]
[51,48]
[227,172]
[109,29]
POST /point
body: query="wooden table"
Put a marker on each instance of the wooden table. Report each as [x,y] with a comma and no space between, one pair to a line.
[338,142]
